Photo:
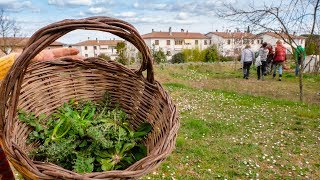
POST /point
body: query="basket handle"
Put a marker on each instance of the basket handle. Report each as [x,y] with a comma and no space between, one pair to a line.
[45,36]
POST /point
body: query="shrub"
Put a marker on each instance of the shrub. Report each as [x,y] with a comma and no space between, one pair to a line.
[211,54]
[159,56]
[104,56]
[192,55]
[178,58]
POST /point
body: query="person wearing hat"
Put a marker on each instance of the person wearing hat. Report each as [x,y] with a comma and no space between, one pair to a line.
[279,59]
[247,57]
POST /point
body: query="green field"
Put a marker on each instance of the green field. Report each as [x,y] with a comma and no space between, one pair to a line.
[233,128]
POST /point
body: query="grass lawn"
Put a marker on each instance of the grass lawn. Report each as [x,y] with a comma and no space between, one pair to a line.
[232,128]
[239,129]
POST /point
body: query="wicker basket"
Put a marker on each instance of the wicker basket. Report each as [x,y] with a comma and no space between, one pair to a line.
[43,86]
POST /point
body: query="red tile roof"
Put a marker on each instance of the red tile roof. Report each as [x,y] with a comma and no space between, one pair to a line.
[97,42]
[21,42]
[234,35]
[174,35]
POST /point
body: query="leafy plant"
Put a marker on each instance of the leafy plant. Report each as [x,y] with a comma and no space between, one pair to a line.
[86,137]
[159,56]
[178,58]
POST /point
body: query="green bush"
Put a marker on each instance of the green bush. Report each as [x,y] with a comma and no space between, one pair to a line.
[159,56]
[178,58]
[193,55]
[104,56]
[211,54]
[226,58]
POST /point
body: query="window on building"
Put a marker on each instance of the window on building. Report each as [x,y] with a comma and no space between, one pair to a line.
[168,42]
[205,42]
[178,42]
[156,42]
[210,42]
[252,41]
[95,47]
[85,48]
[246,41]
[238,41]
[258,41]
[229,41]
[196,42]
[86,55]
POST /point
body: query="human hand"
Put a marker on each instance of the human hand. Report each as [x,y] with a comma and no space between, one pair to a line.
[45,55]
[51,54]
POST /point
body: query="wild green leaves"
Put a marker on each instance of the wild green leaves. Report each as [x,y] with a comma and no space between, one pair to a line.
[86,137]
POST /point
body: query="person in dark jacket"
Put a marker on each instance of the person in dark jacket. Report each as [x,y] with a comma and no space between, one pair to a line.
[269,59]
[278,59]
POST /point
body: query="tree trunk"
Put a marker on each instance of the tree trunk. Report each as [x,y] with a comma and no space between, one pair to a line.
[301,69]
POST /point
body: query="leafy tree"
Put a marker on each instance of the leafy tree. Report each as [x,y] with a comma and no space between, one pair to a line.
[159,56]
[121,51]
[211,54]
[178,58]
[311,48]
[312,44]
[104,56]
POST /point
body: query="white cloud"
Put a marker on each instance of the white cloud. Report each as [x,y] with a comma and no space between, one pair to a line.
[128,14]
[136,5]
[70,2]
[182,16]
[82,14]
[97,10]
[160,6]
[15,5]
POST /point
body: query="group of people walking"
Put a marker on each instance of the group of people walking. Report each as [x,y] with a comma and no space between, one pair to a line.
[265,61]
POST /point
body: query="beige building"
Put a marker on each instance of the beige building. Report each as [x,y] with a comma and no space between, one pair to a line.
[231,43]
[93,48]
[174,42]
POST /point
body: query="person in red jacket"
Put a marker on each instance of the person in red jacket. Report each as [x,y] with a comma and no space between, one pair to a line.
[278,59]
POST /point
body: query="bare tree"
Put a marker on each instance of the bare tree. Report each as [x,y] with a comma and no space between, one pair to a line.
[284,18]
[8,31]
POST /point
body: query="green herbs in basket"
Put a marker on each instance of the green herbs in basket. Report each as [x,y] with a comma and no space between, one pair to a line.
[86,137]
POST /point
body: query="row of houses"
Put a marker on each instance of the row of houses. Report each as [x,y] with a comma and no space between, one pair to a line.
[228,43]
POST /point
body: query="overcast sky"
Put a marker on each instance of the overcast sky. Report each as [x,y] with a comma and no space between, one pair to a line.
[145,15]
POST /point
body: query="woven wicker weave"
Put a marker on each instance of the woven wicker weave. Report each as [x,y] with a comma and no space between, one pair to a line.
[43,86]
